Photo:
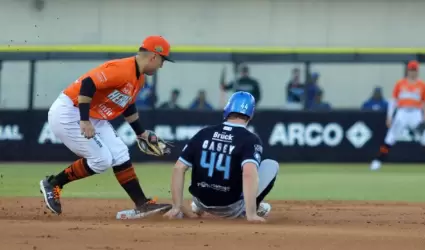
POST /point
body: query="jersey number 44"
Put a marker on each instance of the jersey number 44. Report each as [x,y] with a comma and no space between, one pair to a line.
[218,162]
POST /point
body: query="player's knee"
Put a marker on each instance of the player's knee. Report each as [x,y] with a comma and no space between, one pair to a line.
[101,163]
[121,157]
[271,165]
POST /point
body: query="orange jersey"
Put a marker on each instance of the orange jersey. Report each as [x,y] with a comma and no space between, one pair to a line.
[116,84]
[409,95]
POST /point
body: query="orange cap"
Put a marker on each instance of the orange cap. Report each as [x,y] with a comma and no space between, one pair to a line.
[158,45]
[413,65]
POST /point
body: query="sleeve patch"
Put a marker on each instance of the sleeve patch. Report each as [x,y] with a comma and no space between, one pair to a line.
[258,148]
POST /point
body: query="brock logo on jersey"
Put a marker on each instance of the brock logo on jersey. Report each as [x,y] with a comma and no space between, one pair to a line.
[223,137]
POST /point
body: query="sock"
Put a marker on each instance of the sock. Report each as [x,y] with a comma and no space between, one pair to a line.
[77,170]
[128,180]
[265,192]
[383,152]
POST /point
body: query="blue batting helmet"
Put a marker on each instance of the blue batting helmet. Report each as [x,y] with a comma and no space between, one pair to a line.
[240,102]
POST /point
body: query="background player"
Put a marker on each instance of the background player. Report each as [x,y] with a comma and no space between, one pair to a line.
[79,118]
[228,177]
[408,99]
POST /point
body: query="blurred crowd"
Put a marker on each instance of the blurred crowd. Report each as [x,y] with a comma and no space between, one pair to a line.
[147,99]
[308,95]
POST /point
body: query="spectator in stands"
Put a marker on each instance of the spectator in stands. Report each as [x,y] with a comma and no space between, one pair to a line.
[200,102]
[312,89]
[376,102]
[318,104]
[295,91]
[147,97]
[244,83]
[172,103]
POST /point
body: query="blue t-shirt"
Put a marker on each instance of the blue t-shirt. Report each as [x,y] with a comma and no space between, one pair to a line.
[375,105]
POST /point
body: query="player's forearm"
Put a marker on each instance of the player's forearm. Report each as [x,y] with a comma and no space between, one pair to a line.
[177,185]
[132,117]
[226,86]
[84,107]
[87,91]
[250,188]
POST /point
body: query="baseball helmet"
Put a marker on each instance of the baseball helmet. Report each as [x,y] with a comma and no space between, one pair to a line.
[240,102]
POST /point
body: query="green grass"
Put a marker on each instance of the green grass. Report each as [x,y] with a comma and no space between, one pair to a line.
[295,182]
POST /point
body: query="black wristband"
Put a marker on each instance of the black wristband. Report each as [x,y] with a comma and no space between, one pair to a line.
[84,111]
[137,127]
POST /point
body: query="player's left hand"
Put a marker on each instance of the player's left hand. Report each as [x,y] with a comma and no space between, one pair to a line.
[179,213]
[149,143]
[256,219]
[174,213]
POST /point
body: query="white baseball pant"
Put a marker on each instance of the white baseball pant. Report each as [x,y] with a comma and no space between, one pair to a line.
[105,150]
[405,118]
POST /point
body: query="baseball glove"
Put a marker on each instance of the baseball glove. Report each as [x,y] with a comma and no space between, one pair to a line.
[153,145]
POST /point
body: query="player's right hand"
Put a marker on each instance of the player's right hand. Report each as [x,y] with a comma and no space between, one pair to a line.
[388,122]
[256,219]
[87,129]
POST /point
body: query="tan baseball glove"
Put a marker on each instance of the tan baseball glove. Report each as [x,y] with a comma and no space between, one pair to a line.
[153,145]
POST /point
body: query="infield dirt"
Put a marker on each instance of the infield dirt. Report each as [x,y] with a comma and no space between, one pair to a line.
[25,223]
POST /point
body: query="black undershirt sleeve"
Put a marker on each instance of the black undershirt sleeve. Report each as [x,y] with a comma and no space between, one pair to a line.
[87,89]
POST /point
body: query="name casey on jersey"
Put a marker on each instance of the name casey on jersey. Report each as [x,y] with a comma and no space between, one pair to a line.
[218,147]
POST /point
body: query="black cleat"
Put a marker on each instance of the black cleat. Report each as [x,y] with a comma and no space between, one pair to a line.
[151,207]
[51,195]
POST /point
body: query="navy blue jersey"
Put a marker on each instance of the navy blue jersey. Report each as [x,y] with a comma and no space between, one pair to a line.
[216,155]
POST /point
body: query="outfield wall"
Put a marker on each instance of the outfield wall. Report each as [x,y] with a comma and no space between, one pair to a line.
[342,136]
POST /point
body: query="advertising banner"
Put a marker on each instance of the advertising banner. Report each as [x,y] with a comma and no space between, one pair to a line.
[338,136]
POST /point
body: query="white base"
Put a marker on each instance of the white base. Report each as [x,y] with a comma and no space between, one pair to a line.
[375,165]
[132,214]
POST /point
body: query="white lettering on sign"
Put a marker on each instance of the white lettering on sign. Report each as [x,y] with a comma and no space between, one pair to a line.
[312,135]
[46,135]
[10,133]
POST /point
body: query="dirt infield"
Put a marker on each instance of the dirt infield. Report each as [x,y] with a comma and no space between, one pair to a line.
[90,224]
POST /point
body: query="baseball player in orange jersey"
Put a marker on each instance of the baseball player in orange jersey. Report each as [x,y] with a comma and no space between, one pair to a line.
[409,100]
[79,118]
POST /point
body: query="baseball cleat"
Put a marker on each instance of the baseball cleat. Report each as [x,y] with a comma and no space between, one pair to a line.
[264,209]
[145,210]
[51,195]
[196,210]
[375,165]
